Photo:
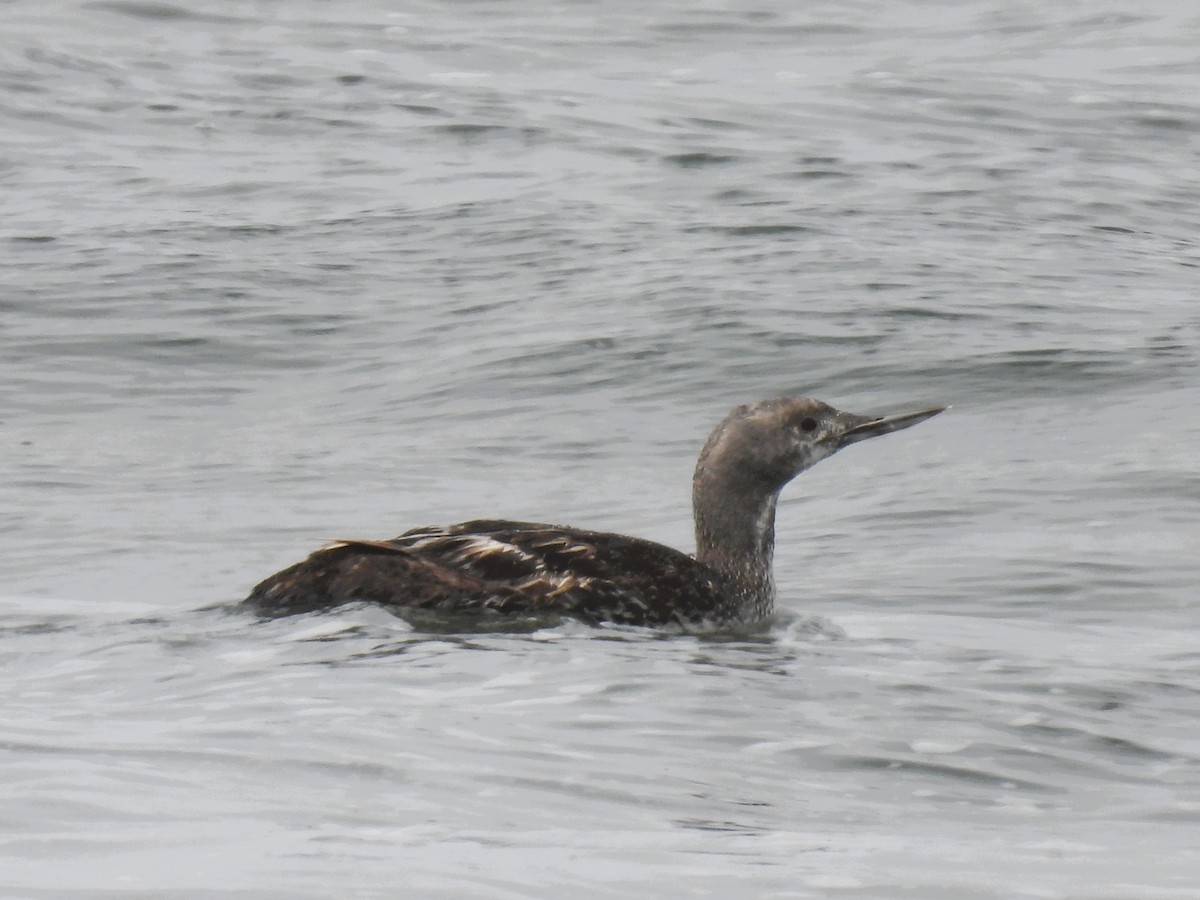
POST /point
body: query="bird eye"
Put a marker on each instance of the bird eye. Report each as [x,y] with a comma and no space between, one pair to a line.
[807,424]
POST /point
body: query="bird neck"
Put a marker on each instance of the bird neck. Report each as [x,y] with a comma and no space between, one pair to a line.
[735,537]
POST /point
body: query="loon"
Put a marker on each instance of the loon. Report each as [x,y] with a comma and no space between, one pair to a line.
[489,567]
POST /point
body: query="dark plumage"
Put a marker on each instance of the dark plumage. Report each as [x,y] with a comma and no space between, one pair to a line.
[523,568]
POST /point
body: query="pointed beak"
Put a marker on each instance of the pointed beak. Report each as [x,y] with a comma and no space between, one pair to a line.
[858,428]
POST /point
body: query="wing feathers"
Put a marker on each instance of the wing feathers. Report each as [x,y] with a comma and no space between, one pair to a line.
[502,566]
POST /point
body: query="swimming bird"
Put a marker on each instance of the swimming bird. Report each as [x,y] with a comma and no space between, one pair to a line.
[489,567]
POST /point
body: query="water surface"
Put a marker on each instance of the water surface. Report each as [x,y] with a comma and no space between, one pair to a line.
[280,273]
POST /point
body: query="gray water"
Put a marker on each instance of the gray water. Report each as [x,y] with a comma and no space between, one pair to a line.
[277,273]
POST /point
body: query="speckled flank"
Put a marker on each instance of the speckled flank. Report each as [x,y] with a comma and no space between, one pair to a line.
[501,567]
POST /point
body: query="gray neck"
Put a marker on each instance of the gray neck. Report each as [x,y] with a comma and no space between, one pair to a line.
[735,536]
